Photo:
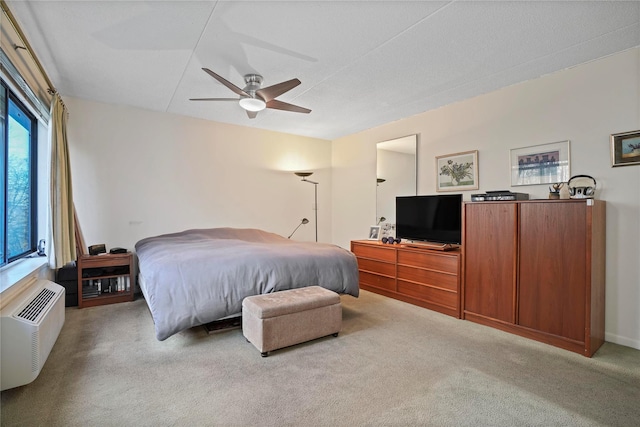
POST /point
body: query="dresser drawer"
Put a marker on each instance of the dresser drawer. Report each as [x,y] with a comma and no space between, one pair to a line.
[427,293]
[377,281]
[423,277]
[374,266]
[374,251]
[428,277]
[433,261]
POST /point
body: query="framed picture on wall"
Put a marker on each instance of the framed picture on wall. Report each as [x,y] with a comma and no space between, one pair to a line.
[540,164]
[625,148]
[457,172]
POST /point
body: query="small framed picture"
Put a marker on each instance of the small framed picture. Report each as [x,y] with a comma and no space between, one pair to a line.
[625,148]
[540,164]
[457,172]
[374,232]
[387,230]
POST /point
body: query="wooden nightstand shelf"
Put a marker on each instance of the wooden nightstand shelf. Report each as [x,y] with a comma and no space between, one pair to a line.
[105,279]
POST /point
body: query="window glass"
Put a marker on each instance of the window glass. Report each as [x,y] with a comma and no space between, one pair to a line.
[3,119]
[19,164]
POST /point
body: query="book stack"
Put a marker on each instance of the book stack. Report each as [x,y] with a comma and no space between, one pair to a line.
[109,285]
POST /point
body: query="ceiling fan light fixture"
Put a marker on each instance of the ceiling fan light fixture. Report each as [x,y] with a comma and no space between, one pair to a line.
[254,97]
[253,104]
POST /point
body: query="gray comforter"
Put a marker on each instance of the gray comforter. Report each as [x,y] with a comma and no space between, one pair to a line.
[198,276]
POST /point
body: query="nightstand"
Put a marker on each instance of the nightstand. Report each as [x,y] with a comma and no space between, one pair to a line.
[105,279]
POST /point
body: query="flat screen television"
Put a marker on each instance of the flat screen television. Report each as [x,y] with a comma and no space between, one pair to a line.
[435,218]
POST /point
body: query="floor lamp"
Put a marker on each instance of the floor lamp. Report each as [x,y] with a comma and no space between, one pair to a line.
[304,176]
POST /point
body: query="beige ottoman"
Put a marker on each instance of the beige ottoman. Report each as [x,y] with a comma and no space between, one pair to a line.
[280,319]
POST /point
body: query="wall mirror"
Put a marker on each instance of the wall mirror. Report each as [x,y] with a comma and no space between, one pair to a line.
[396,175]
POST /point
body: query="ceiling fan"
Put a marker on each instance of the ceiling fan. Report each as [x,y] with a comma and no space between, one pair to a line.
[253,98]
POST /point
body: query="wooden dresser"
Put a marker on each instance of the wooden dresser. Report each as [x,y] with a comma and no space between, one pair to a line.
[424,277]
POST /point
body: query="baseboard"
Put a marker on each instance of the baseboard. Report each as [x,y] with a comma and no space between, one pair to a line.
[617,339]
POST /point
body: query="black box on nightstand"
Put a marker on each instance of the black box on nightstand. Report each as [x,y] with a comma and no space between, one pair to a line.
[67,276]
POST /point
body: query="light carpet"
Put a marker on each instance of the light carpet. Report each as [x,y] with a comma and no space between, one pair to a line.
[393,364]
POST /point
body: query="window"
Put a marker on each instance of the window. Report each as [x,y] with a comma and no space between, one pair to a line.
[18,161]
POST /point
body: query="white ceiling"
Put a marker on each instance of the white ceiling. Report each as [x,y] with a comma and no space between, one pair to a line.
[361,63]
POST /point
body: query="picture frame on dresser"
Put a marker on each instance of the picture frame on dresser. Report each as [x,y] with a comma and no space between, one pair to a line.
[374,232]
[457,172]
[541,164]
[387,230]
[625,148]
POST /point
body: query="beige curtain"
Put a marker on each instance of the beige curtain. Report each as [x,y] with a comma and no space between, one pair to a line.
[62,247]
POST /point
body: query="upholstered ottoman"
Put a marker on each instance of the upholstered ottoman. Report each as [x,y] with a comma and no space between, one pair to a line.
[281,319]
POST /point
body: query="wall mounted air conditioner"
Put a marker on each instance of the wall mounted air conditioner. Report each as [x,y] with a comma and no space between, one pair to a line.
[30,327]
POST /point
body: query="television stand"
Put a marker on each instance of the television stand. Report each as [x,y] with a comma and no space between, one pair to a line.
[432,246]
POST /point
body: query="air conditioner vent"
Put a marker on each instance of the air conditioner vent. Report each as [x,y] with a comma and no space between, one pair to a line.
[37,305]
[30,325]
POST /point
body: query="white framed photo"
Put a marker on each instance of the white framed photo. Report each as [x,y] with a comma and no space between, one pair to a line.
[387,229]
[374,232]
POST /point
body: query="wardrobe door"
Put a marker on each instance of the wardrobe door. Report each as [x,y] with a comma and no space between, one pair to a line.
[490,245]
[553,268]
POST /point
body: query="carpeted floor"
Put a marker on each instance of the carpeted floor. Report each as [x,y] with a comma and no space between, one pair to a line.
[393,364]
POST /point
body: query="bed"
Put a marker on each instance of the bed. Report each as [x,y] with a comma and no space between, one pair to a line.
[195,277]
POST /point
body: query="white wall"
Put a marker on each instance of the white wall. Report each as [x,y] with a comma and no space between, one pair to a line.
[138,173]
[584,104]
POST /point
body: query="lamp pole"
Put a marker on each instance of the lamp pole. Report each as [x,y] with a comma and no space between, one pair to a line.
[304,176]
[315,206]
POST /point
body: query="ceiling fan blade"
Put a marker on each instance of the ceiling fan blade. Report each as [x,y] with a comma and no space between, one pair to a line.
[225,82]
[271,92]
[252,114]
[213,99]
[279,105]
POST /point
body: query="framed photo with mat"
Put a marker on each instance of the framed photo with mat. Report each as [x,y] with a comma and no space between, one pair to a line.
[457,172]
[625,148]
[540,164]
